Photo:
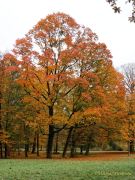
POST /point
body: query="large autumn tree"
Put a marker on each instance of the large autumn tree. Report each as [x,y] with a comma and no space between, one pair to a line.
[58,64]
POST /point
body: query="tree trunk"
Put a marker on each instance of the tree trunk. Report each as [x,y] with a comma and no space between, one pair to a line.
[89,139]
[37,143]
[1,153]
[72,153]
[67,142]
[87,148]
[131,146]
[50,135]
[18,148]
[34,145]
[56,143]
[128,143]
[50,141]
[26,150]
[26,138]
[81,149]
[6,150]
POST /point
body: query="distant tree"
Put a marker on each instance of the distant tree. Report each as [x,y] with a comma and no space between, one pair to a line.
[10,99]
[1,82]
[129,79]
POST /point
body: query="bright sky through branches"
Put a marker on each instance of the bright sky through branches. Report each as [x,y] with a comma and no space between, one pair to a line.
[18,17]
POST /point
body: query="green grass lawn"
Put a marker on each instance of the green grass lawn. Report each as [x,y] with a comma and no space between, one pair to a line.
[67,169]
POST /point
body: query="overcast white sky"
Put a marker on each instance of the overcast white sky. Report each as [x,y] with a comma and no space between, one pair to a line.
[17,17]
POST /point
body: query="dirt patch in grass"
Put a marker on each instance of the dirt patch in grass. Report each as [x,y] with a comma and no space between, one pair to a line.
[108,156]
[102,155]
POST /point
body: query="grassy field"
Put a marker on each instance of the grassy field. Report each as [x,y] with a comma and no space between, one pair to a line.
[67,170]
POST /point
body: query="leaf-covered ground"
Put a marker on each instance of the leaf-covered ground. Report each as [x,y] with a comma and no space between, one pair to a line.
[67,169]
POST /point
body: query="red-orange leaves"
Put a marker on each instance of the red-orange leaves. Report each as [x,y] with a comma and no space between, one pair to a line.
[65,69]
[92,113]
[10,64]
[23,47]
[11,69]
[86,96]
[82,82]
